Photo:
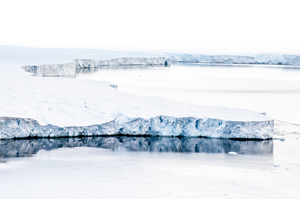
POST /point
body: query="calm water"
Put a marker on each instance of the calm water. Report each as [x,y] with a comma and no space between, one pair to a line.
[30,147]
[271,89]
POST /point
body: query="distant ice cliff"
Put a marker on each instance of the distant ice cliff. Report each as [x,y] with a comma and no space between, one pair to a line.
[52,70]
[87,63]
[69,69]
[237,59]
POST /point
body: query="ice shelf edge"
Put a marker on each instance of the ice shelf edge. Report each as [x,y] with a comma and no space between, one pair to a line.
[11,128]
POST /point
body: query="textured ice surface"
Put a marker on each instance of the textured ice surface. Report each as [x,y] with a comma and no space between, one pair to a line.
[29,147]
[69,69]
[237,59]
[48,70]
[157,126]
[87,63]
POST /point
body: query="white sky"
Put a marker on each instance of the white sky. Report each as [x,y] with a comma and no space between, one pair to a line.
[249,25]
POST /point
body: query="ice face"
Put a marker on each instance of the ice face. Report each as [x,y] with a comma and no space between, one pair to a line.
[237,59]
[52,70]
[69,69]
[89,63]
[156,126]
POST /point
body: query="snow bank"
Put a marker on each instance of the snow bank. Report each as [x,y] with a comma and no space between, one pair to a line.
[237,59]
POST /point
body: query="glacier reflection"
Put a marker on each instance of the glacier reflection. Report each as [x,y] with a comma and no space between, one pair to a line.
[27,148]
[126,67]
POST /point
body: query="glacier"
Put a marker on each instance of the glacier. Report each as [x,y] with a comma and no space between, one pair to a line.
[69,69]
[266,59]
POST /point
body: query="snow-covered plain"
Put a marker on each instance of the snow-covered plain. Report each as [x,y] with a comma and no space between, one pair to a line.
[73,107]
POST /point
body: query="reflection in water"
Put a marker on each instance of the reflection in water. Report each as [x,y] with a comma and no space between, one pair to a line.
[130,67]
[29,147]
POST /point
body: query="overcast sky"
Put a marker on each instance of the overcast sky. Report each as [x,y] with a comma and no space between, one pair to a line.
[246,25]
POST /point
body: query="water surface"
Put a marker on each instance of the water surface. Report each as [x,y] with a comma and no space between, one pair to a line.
[30,147]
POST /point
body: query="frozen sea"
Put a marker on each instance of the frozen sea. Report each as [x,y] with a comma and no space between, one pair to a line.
[151,167]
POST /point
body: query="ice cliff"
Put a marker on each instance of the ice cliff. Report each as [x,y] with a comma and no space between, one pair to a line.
[52,70]
[87,63]
[69,69]
[156,126]
[237,59]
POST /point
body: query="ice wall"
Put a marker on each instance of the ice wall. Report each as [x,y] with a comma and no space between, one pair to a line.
[156,126]
[69,69]
[87,63]
[237,59]
[52,70]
